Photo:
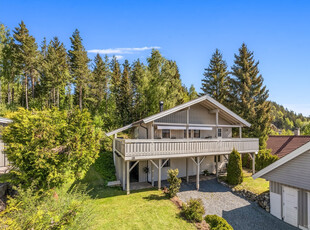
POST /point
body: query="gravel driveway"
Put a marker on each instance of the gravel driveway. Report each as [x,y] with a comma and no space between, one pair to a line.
[238,212]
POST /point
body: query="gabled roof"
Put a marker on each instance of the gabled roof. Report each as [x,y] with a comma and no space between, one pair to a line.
[283,145]
[283,160]
[208,102]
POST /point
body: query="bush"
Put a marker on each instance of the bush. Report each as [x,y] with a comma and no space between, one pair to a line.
[234,168]
[55,209]
[48,147]
[264,158]
[174,182]
[217,223]
[246,161]
[193,210]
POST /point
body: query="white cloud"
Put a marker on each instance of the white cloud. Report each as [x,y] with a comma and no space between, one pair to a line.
[118,57]
[122,50]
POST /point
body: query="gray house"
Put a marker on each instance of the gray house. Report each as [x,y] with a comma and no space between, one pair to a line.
[3,160]
[192,137]
[290,187]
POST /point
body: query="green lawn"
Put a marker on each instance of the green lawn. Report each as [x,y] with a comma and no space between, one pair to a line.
[257,186]
[147,209]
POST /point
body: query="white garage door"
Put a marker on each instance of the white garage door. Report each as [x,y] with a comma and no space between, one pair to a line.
[290,205]
[275,205]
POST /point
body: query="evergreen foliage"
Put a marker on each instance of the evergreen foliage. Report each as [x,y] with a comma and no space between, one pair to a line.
[174,182]
[249,98]
[193,210]
[264,158]
[217,223]
[216,79]
[234,168]
[47,147]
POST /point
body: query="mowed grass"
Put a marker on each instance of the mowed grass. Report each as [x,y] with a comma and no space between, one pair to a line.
[257,186]
[113,209]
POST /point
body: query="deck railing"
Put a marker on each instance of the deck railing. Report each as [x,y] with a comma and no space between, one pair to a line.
[147,148]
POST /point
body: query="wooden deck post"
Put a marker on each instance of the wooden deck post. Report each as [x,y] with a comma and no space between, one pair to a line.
[253,163]
[240,132]
[159,173]
[187,176]
[216,166]
[152,174]
[197,173]
[124,175]
[128,178]
[115,136]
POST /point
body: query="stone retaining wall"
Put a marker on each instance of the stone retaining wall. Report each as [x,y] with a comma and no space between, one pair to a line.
[263,200]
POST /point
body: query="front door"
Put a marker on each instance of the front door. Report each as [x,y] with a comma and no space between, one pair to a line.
[290,205]
[134,173]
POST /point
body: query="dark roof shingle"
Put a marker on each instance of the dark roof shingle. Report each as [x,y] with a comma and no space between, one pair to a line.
[283,145]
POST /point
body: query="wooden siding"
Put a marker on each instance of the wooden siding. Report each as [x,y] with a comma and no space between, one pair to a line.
[275,187]
[169,148]
[294,173]
[3,159]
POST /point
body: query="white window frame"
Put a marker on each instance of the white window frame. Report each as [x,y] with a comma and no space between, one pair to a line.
[166,137]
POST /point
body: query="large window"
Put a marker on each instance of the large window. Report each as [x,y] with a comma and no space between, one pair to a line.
[196,133]
[167,163]
[189,133]
[166,133]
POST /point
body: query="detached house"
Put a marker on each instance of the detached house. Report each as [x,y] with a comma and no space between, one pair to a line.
[192,137]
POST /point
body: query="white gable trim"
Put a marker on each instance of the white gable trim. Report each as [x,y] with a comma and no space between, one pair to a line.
[5,120]
[283,160]
[180,107]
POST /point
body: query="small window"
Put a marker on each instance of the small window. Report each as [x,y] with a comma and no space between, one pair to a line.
[219,132]
[166,133]
[218,158]
[189,133]
[167,163]
[196,133]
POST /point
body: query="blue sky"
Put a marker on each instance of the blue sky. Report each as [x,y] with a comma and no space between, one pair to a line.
[188,32]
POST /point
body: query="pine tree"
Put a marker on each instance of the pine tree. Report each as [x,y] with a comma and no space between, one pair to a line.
[250,96]
[192,93]
[56,72]
[125,91]
[216,78]
[79,67]
[99,82]
[27,58]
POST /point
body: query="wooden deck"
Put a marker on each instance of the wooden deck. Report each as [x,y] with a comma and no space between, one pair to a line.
[139,149]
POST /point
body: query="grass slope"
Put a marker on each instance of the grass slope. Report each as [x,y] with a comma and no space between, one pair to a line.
[147,209]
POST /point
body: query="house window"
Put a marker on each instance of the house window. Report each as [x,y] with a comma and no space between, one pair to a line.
[196,133]
[166,133]
[189,133]
[167,164]
[218,158]
[219,132]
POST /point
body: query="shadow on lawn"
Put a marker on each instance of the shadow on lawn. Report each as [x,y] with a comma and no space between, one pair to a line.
[154,197]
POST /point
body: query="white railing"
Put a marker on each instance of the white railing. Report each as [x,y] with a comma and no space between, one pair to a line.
[145,148]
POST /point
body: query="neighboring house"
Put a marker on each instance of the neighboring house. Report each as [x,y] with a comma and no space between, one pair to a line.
[290,183]
[3,160]
[192,137]
[283,145]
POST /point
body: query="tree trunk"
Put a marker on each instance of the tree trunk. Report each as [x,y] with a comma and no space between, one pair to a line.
[32,86]
[54,96]
[26,91]
[9,94]
[57,97]
[12,100]
[80,98]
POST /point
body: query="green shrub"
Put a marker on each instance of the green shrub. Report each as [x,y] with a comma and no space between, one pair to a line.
[193,210]
[174,182]
[234,168]
[46,148]
[55,209]
[217,223]
[246,161]
[264,158]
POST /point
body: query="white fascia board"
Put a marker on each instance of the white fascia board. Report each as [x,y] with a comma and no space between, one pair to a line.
[5,120]
[283,160]
[118,130]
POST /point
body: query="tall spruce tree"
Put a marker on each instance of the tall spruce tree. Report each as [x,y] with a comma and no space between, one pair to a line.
[99,84]
[125,100]
[27,57]
[250,96]
[216,78]
[79,67]
[192,93]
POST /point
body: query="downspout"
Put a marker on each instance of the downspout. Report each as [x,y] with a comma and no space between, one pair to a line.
[147,130]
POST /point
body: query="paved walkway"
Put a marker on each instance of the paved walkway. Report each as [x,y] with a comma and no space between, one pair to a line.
[240,213]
